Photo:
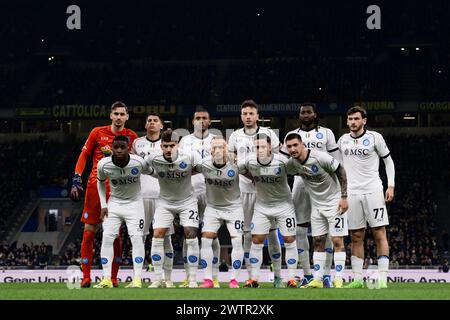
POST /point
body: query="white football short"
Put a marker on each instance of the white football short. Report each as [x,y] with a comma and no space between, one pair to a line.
[131,213]
[329,221]
[166,211]
[367,208]
[281,216]
[149,209]
[232,216]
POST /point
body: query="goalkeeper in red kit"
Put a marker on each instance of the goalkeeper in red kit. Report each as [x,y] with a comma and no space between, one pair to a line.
[98,146]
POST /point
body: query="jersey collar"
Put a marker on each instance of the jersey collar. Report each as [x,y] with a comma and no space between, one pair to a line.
[307,157]
[300,129]
[265,165]
[153,141]
[219,167]
[202,138]
[363,133]
[257,130]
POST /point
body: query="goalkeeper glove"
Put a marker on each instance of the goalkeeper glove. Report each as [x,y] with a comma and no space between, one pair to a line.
[77,187]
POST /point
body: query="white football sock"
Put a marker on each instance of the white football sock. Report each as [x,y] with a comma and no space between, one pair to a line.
[329,256]
[303,250]
[107,254]
[291,258]
[274,248]
[357,267]
[319,261]
[237,255]
[138,254]
[256,256]
[207,257]
[168,258]
[193,252]
[216,258]
[339,263]
[158,257]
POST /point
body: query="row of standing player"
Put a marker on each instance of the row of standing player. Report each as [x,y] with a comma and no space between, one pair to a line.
[241,143]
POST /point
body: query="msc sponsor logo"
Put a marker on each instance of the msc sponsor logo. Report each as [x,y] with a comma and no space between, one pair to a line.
[126,180]
[267,179]
[313,145]
[173,174]
[356,152]
[219,183]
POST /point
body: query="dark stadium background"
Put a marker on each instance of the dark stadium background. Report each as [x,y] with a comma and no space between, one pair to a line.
[57,84]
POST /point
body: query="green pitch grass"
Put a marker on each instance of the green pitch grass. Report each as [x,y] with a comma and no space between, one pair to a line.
[59,291]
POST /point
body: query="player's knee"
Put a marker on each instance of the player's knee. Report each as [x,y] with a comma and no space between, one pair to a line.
[190,232]
[208,235]
[289,239]
[159,233]
[338,244]
[319,242]
[357,237]
[379,233]
[258,239]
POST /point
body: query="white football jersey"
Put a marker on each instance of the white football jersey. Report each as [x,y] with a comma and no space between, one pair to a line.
[174,177]
[191,144]
[143,147]
[242,144]
[124,182]
[317,172]
[272,187]
[222,183]
[361,159]
[321,139]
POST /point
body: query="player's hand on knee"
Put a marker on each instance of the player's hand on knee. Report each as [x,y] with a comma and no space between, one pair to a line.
[77,187]
[103,213]
[343,205]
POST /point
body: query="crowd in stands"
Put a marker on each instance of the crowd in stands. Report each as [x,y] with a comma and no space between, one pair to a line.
[30,256]
[28,165]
